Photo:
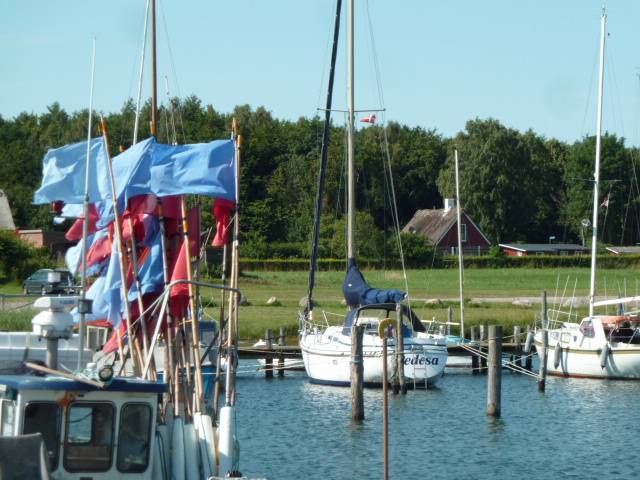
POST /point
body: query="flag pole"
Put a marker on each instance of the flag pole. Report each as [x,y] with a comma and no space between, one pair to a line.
[195,327]
[232,324]
[85,223]
[134,347]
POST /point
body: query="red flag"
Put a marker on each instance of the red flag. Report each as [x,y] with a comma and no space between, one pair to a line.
[605,202]
[99,251]
[75,232]
[222,211]
[179,295]
[370,119]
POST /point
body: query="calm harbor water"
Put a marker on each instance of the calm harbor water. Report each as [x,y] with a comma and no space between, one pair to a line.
[579,429]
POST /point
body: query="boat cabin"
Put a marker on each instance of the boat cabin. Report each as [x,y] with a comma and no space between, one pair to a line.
[89,432]
[370,316]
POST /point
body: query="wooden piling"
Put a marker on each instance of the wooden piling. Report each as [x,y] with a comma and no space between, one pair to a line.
[518,345]
[281,342]
[528,363]
[474,358]
[494,383]
[357,374]
[483,359]
[542,379]
[385,408]
[268,361]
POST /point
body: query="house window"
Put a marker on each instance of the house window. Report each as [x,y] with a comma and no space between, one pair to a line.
[134,438]
[44,417]
[463,232]
[89,438]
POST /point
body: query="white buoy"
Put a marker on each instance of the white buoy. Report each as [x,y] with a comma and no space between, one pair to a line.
[204,429]
[177,450]
[528,342]
[191,452]
[604,355]
[556,355]
[158,468]
[226,444]
[163,438]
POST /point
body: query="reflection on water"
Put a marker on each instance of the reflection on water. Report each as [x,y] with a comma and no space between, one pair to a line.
[291,429]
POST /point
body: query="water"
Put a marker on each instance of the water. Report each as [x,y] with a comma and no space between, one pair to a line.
[291,429]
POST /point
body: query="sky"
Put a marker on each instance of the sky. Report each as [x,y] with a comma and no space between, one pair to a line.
[434,64]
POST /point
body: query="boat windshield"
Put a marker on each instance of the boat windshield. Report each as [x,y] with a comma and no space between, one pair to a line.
[44,417]
[133,438]
[89,437]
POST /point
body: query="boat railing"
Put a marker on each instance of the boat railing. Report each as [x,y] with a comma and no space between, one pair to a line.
[556,318]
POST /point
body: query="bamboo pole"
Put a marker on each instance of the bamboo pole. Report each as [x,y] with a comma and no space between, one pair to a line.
[195,326]
[133,340]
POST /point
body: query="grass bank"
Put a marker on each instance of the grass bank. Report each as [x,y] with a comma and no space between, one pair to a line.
[290,287]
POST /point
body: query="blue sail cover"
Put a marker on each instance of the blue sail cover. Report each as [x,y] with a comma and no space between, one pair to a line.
[357,291]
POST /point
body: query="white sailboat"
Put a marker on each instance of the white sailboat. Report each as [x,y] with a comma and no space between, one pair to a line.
[600,346]
[326,349]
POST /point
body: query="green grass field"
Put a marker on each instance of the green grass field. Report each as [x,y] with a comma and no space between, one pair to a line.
[290,287]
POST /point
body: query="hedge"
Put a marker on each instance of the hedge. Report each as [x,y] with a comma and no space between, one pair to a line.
[537,261]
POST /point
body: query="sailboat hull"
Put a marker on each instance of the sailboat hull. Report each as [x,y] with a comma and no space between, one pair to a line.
[327,359]
[582,358]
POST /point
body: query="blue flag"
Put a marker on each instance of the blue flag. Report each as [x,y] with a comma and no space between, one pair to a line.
[151,272]
[63,173]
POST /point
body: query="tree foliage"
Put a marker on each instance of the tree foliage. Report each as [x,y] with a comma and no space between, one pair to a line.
[517,186]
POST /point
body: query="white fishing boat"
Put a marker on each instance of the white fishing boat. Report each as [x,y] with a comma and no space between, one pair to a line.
[599,346]
[156,423]
[418,357]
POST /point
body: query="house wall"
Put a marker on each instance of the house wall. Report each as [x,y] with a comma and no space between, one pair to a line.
[54,241]
[474,239]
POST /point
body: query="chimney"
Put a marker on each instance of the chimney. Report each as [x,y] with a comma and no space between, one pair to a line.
[449,203]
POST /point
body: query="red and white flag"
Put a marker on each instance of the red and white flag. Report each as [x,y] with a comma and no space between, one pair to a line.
[370,119]
[605,202]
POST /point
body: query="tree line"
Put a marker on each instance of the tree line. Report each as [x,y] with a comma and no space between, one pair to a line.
[517,186]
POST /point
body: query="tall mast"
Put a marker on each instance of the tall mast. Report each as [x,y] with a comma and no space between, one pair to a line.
[85,223]
[323,160]
[351,210]
[460,263]
[596,174]
[154,82]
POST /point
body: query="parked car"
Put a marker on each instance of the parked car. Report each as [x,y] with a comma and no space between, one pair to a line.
[46,281]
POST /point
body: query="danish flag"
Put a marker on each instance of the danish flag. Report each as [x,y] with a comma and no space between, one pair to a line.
[370,119]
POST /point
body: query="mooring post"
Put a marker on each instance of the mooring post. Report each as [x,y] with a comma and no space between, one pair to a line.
[281,342]
[543,361]
[268,361]
[357,371]
[528,363]
[385,408]
[518,345]
[474,358]
[483,358]
[494,383]
[450,321]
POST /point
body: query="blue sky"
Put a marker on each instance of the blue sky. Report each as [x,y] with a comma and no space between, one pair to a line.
[527,63]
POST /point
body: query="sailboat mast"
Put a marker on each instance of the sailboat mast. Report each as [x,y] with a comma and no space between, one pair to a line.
[460,263]
[85,223]
[323,159]
[351,210]
[596,174]
[154,73]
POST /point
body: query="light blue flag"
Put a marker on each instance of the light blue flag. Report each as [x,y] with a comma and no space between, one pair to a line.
[151,272]
[63,174]
[112,294]
[100,309]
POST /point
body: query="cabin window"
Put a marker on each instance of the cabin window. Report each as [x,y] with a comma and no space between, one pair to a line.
[44,417]
[463,232]
[89,437]
[7,413]
[134,438]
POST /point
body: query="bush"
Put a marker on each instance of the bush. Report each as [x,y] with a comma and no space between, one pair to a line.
[18,259]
